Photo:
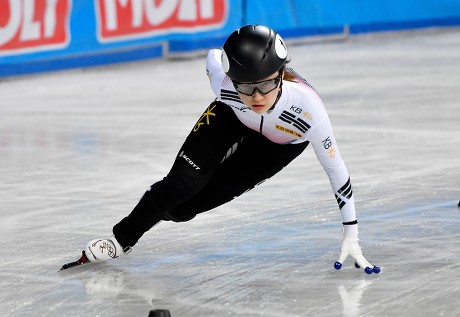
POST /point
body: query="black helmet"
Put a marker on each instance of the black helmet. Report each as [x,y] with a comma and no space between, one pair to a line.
[253,53]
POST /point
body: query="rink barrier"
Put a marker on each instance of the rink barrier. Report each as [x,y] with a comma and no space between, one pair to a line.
[85,33]
[89,59]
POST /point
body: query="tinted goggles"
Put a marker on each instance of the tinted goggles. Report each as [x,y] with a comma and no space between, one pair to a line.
[264,87]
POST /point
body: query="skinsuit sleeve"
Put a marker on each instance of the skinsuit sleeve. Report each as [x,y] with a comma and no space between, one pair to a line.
[214,70]
[326,149]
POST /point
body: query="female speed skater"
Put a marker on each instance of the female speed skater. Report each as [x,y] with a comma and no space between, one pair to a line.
[263,117]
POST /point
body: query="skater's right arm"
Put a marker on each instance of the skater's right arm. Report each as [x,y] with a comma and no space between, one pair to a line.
[214,70]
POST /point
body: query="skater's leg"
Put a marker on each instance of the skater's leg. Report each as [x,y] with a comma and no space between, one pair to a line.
[217,130]
[254,161]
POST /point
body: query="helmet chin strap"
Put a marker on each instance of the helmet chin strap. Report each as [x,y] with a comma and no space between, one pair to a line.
[279,94]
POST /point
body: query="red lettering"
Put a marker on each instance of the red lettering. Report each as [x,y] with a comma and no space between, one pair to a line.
[121,19]
[33,24]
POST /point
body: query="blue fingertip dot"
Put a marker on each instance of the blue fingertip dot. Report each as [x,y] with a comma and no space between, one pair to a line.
[357,265]
[337,265]
[376,269]
[368,270]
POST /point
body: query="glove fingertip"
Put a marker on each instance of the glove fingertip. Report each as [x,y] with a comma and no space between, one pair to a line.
[357,265]
[337,265]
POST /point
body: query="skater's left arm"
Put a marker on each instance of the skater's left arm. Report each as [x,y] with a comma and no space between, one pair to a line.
[325,146]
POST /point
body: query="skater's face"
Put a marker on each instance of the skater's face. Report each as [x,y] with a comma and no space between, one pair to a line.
[261,95]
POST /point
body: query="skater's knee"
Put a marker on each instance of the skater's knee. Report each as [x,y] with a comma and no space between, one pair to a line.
[171,216]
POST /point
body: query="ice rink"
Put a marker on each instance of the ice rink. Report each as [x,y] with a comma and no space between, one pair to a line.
[78,149]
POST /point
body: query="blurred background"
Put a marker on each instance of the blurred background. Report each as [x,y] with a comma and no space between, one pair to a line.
[47,35]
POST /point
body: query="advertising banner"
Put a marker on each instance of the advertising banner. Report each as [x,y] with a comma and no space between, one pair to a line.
[46,35]
[40,35]
[28,26]
[133,19]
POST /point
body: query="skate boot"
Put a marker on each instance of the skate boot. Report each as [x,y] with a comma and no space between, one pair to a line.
[103,249]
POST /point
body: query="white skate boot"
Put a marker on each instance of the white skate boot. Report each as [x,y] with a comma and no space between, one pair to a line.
[104,249]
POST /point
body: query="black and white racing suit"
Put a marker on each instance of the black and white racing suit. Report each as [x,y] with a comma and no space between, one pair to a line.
[231,149]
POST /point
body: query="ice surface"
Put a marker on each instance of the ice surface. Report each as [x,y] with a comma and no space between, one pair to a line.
[78,149]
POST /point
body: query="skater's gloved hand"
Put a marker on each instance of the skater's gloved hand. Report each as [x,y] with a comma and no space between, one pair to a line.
[350,247]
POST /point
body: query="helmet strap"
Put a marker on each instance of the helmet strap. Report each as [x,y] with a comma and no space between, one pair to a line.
[278,96]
